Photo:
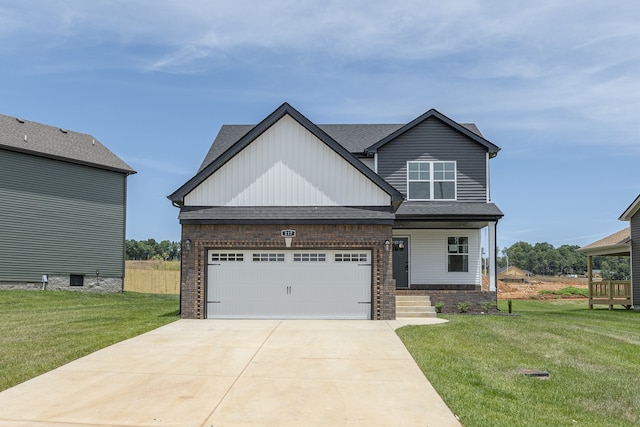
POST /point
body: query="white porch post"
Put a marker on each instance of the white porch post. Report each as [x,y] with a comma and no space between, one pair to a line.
[493,282]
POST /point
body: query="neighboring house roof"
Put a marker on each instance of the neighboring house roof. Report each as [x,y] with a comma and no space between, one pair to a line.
[222,156]
[289,214]
[477,137]
[49,141]
[631,210]
[618,243]
[515,269]
[356,138]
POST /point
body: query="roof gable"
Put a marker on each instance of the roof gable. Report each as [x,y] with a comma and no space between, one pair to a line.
[255,132]
[468,130]
[631,210]
[48,141]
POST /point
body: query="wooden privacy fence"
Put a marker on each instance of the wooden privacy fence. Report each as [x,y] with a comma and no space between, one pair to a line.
[152,281]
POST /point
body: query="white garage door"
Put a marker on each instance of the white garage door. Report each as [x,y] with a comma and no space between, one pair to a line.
[289,284]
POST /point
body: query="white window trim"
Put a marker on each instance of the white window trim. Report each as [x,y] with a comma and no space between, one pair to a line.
[431,180]
[467,254]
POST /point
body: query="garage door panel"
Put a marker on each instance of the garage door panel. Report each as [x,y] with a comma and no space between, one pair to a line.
[290,284]
[235,291]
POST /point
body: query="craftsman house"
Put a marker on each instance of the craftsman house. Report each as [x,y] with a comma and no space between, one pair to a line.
[62,216]
[290,219]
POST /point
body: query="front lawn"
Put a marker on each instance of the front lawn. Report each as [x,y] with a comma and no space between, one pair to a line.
[592,356]
[41,330]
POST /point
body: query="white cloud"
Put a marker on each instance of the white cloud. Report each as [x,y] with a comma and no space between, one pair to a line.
[579,56]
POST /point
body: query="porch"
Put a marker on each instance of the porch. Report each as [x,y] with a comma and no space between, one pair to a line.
[609,292]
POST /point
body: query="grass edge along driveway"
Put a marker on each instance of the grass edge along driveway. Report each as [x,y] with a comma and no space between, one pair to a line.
[593,357]
[42,330]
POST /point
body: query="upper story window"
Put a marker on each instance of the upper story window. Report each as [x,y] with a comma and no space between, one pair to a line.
[431,180]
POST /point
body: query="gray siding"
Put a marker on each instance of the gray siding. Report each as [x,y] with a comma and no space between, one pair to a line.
[635,259]
[434,140]
[59,218]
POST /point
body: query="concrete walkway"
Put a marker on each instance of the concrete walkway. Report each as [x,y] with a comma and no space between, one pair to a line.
[220,373]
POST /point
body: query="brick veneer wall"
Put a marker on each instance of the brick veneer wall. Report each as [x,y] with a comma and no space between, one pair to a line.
[267,236]
[451,298]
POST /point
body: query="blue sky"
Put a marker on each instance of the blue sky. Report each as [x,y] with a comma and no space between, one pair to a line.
[555,84]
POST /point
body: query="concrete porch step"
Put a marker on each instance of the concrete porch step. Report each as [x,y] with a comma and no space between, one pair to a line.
[414,306]
[413,298]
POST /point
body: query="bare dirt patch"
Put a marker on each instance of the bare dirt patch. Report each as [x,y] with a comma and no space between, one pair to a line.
[532,287]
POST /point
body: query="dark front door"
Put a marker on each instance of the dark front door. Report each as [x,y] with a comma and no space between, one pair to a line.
[401,261]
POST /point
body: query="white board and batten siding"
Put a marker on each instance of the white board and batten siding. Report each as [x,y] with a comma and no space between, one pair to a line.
[287,166]
[428,257]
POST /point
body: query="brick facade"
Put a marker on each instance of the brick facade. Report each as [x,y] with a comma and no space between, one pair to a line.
[451,298]
[267,236]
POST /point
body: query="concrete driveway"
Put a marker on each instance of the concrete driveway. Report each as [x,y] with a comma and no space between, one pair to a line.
[219,373]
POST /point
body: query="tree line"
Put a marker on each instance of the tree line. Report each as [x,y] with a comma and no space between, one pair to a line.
[150,249]
[544,259]
[540,258]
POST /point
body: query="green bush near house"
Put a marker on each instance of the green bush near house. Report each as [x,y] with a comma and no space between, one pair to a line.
[463,307]
[42,330]
[592,356]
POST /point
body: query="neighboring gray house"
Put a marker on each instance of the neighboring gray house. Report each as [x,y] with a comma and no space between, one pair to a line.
[632,215]
[62,216]
[622,243]
[289,219]
[625,242]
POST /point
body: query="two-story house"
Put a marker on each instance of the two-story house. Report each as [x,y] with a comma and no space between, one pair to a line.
[289,219]
[63,210]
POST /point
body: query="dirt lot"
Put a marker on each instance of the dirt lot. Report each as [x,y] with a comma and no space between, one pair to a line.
[535,284]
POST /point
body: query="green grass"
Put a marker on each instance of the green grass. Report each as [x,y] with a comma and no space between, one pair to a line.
[568,291]
[40,331]
[593,357]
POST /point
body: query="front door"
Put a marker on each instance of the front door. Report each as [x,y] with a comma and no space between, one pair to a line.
[401,261]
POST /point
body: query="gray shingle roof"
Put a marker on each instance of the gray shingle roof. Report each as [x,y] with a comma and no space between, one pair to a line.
[286,214]
[448,210]
[61,144]
[356,138]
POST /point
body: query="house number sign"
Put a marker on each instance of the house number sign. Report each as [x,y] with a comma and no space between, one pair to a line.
[288,233]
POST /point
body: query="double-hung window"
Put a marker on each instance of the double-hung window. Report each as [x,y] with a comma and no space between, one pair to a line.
[458,251]
[430,180]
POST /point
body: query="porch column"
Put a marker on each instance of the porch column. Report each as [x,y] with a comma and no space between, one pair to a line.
[590,278]
[493,251]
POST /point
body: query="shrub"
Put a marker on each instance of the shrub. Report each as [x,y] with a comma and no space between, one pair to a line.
[463,307]
[487,305]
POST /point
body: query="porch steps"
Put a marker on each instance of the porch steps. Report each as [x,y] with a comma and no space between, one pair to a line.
[414,306]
